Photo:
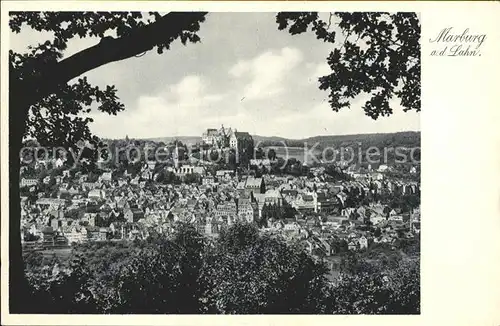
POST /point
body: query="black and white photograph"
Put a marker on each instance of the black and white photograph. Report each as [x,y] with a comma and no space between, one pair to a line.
[225,163]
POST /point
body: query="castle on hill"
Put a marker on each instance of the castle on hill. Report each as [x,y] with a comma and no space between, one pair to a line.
[228,138]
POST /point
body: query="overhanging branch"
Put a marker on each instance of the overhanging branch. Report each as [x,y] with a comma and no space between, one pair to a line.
[140,40]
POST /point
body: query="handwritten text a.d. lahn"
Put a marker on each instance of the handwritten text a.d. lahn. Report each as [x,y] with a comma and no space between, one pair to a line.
[464,51]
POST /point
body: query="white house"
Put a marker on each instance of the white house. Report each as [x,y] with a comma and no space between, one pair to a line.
[28,182]
[383,168]
[76,234]
[363,242]
[58,163]
[96,194]
[106,176]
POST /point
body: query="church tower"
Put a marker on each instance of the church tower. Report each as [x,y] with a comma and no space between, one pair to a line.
[175,156]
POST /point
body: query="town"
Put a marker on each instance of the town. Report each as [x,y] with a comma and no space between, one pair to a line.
[161,165]
[327,208]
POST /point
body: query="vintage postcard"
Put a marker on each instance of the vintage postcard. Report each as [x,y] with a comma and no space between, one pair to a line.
[250,162]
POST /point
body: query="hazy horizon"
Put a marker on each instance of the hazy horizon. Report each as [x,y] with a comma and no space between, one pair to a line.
[266,136]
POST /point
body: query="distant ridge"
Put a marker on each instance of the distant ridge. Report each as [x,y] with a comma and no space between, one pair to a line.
[402,138]
[183,139]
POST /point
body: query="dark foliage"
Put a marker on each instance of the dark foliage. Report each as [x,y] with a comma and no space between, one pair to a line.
[242,272]
[376,54]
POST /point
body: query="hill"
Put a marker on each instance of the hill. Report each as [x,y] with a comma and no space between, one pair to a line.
[184,139]
[265,139]
[402,139]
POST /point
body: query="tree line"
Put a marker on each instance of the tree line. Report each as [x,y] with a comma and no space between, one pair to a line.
[241,272]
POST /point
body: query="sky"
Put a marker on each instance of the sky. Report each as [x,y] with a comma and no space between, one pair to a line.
[245,74]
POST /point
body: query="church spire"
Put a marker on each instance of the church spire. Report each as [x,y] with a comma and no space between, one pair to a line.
[175,156]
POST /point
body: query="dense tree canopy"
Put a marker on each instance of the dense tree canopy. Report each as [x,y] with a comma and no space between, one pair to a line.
[241,272]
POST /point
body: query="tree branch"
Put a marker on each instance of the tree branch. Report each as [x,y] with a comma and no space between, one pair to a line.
[109,50]
[329,21]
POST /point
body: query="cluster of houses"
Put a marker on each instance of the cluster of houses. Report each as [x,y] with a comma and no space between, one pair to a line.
[130,207]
